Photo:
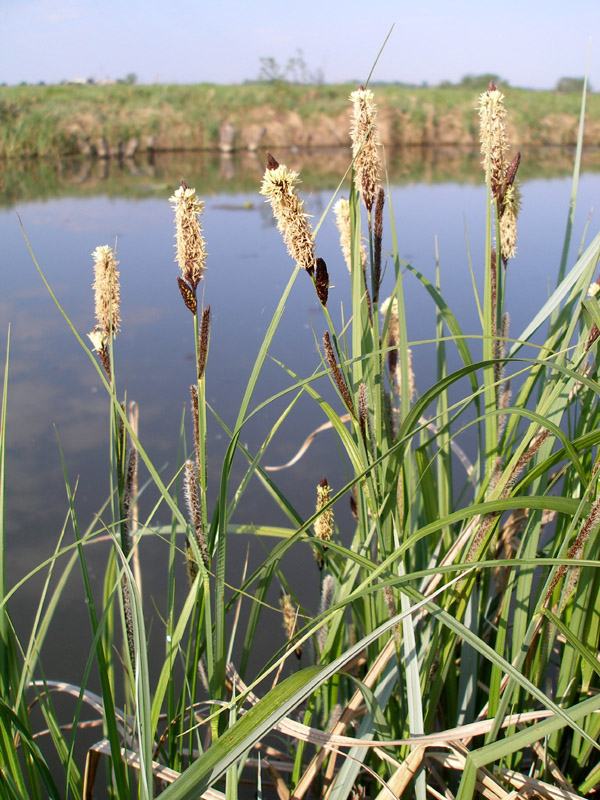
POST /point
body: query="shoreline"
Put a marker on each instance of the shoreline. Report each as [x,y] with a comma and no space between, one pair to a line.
[121,120]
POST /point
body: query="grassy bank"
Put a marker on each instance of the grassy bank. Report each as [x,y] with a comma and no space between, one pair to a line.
[51,120]
[453,649]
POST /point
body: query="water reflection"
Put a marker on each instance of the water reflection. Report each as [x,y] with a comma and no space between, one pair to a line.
[150,175]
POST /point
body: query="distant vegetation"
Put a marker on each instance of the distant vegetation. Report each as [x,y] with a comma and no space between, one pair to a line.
[285,107]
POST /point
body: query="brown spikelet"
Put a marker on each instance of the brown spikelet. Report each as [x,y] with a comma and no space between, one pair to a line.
[130,481]
[289,619]
[190,563]
[188,294]
[392,357]
[594,334]
[322,282]
[125,592]
[336,373]
[105,360]
[194,410]
[576,548]
[354,504]
[192,500]
[509,178]
[203,341]
[390,415]
[377,240]
[494,283]
[537,441]
[363,413]
[324,522]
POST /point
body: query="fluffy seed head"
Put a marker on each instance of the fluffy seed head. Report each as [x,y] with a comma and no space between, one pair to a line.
[189,241]
[279,187]
[107,294]
[365,143]
[492,135]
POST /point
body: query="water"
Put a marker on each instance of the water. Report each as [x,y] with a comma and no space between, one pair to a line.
[55,394]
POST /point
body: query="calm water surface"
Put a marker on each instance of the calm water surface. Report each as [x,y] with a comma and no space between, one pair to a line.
[54,393]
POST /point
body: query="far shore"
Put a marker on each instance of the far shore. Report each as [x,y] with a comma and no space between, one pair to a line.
[120,120]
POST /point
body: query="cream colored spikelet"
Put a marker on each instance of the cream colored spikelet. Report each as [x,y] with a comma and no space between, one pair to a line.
[107,292]
[279,187]
[365,145]
[189,239]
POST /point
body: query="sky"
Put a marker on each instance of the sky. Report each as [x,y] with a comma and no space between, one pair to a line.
[529,43]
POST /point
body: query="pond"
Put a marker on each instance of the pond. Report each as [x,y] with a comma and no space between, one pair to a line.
[68,209]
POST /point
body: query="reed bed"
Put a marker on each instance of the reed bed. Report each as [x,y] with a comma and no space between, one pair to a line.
[454,652]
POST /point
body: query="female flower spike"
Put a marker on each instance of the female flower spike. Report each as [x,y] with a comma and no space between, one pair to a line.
[279,187]
[365,144]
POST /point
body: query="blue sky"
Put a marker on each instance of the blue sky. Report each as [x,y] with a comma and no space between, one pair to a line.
[527,42]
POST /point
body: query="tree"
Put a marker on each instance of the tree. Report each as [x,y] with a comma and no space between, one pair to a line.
[270,71]
[295,71]
[571,85]
[481,81]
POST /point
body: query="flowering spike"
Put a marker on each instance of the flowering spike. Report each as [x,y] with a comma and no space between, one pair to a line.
[190,246]
[365,142]
[279,187]
[106,290]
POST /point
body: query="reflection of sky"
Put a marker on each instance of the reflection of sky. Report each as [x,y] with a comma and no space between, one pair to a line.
[53,383]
